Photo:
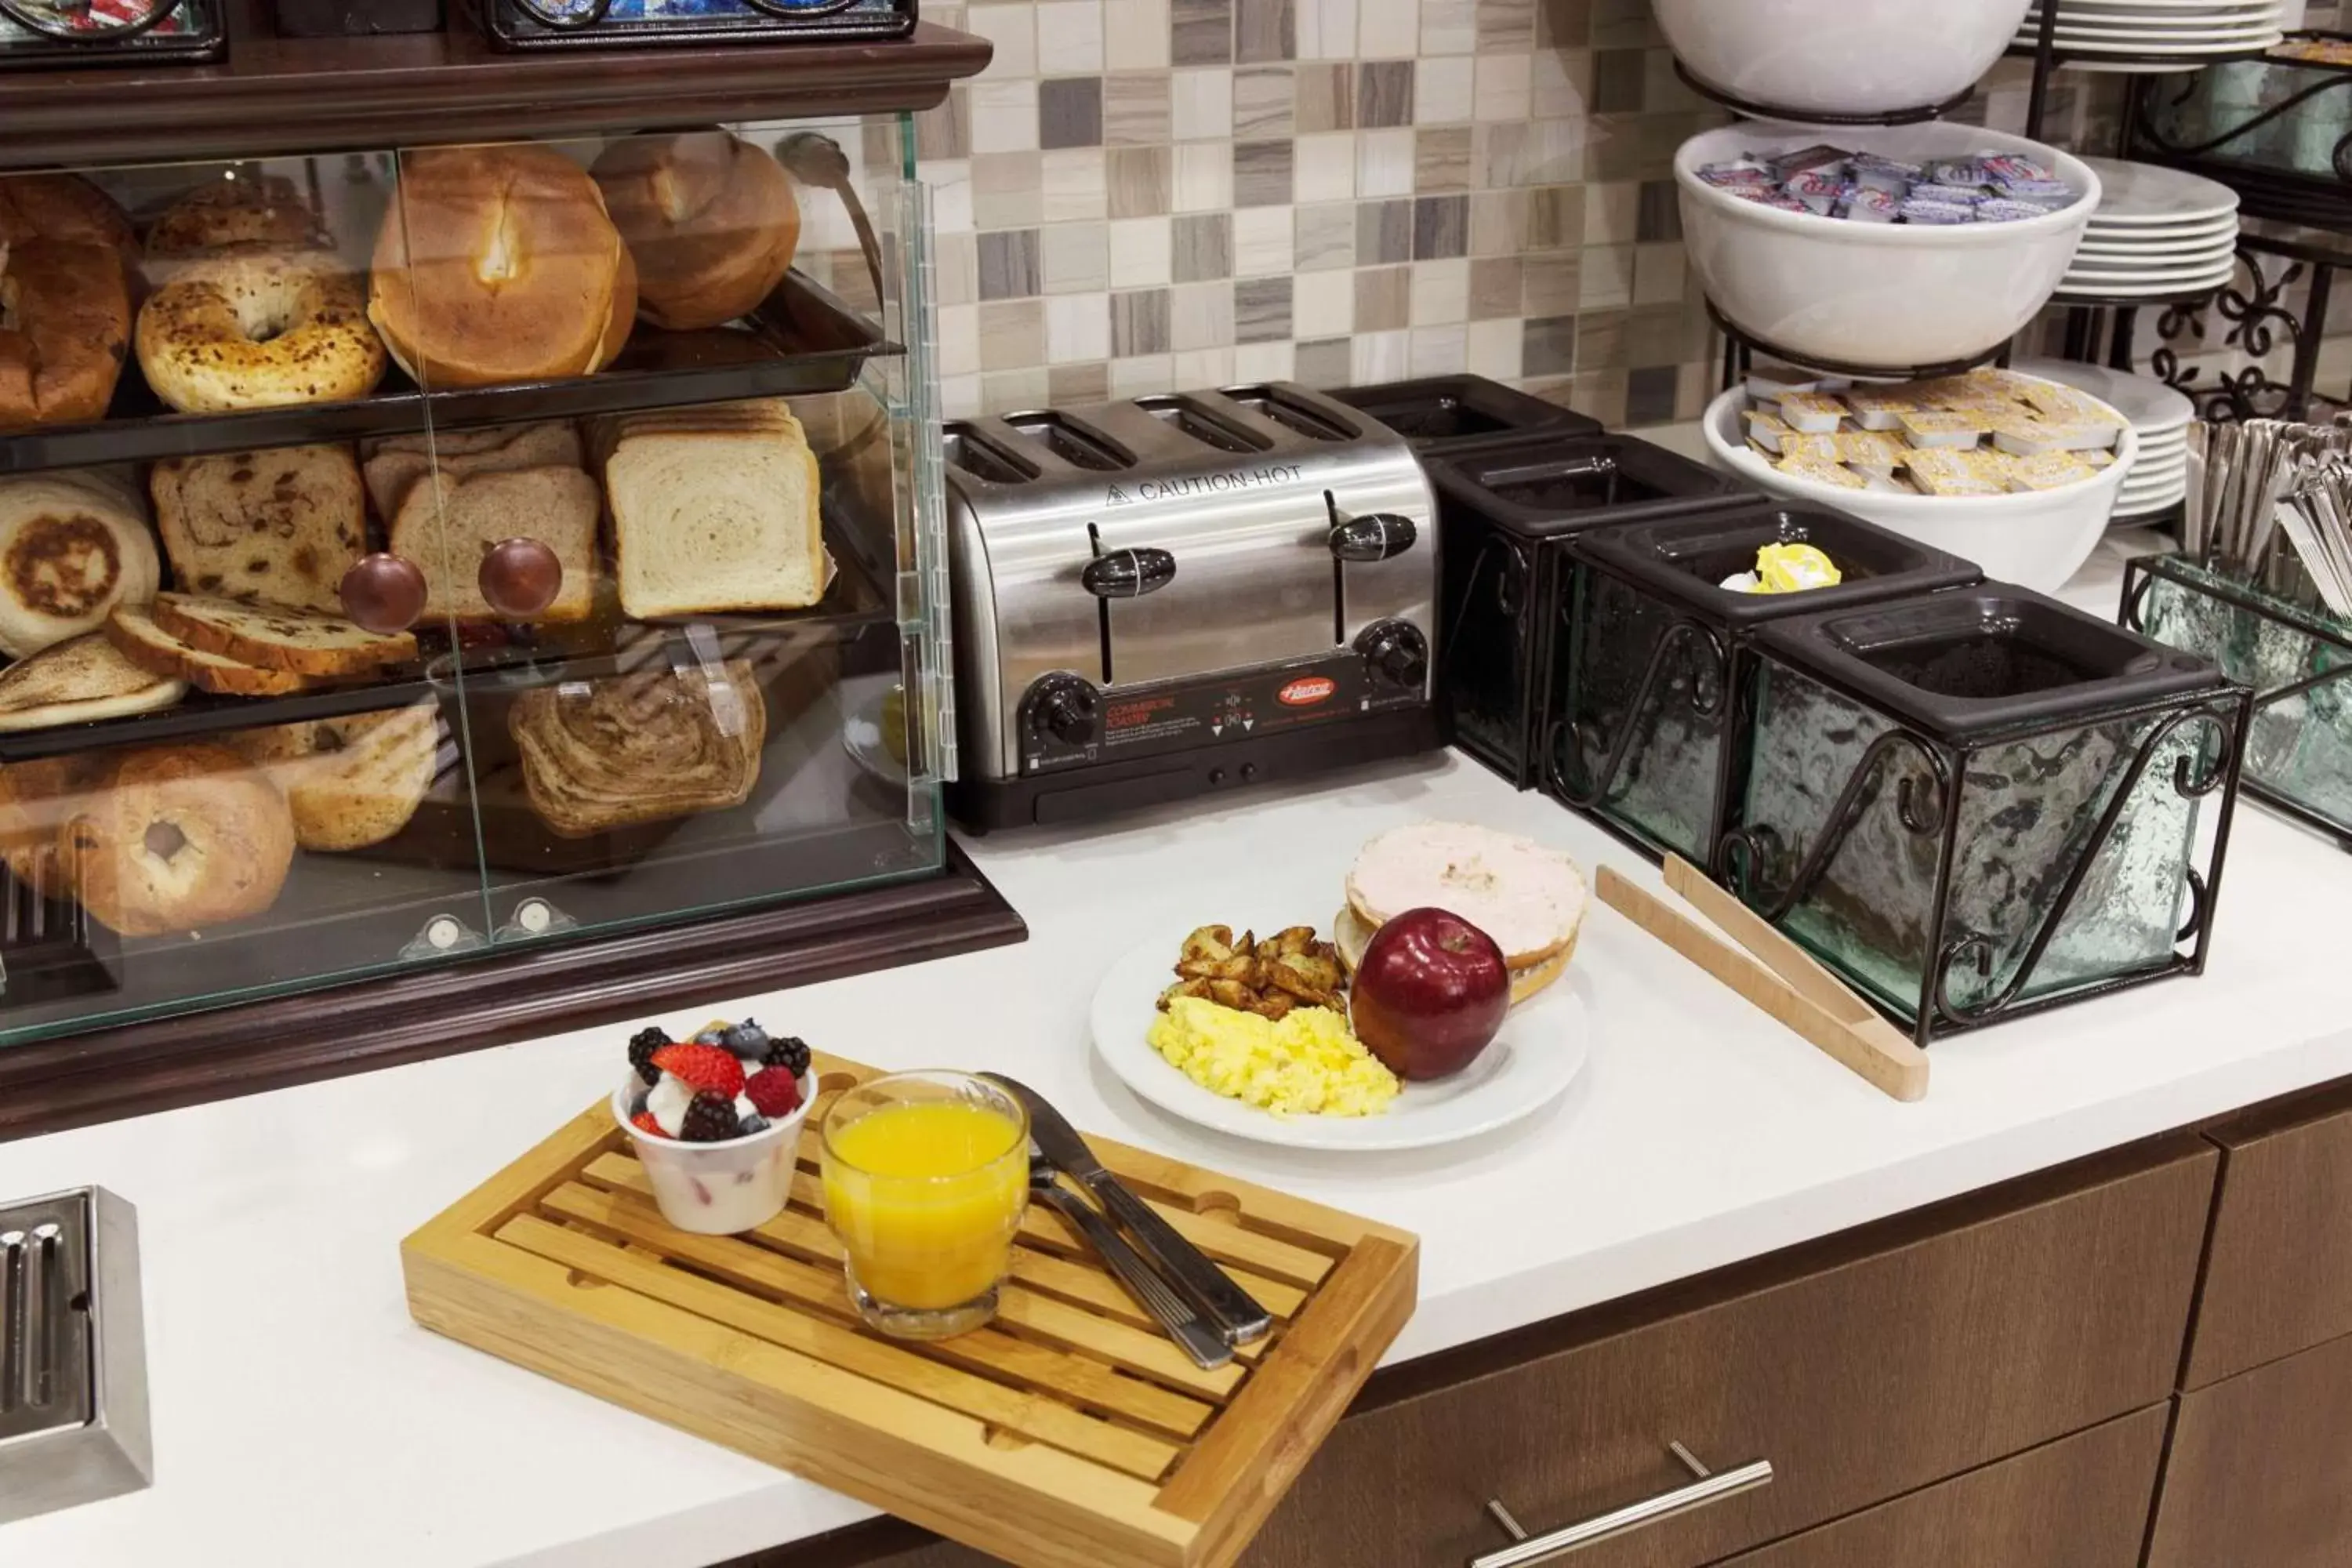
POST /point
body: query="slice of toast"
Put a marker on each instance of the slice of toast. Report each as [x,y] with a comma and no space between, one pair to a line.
[150,647]
[326,645]
[557,506]
[77,680]
[706,521]
[278,527]
[397,462]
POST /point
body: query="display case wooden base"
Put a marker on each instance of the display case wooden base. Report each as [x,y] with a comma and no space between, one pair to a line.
[465,1006]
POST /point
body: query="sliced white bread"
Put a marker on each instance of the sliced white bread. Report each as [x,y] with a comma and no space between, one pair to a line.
[326,645]
[276,527]
[706,521]
[75,681]
[351,781]
[1351,935]
[149,646]
[1528,897]
[556,506]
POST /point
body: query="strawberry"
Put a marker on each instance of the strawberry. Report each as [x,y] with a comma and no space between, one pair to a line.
[775,1091]
[644,1122]
[707,1069]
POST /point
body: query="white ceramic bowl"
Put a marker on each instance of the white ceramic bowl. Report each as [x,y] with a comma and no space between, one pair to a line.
[1894,297]
[1840,57]
[2037,539]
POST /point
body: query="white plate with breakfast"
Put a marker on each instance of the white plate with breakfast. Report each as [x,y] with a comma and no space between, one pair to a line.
[1429,1010]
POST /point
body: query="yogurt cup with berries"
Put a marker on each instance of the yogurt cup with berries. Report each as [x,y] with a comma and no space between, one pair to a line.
[716,1118]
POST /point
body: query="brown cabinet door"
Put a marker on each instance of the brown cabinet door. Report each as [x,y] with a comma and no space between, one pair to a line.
[1972,1334]
[2281,1275]
[2079,1503]
[2260,1470]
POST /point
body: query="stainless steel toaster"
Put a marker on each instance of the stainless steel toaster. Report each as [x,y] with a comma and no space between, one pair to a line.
[1168,596]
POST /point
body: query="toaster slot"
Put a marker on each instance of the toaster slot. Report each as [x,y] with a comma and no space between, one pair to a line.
[1296,418]
[1072,442]
[983,459]
[1183,415]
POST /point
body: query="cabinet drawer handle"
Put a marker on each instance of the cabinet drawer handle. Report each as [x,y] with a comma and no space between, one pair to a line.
[1527,1551]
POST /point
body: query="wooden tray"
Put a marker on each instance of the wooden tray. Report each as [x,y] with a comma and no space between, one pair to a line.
[1070,1434]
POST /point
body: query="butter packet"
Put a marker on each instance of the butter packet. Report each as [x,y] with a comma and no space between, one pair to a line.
[1881,408]
[2030,437]
[1869,452]
[1824,448]
[1812,413]
[1767,430]
[2049,471]
[1939,471]
[1942,427]
[1824,470]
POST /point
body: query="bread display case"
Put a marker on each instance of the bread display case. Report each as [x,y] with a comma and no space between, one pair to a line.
[467,585]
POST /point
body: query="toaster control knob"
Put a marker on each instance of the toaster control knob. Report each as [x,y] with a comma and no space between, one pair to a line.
[1063,706]
[1129,574]
[1375,536]
[1397,651]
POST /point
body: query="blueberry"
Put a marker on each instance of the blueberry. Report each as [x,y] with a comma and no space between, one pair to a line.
[747,1038]
[714,1035]
[751,1124]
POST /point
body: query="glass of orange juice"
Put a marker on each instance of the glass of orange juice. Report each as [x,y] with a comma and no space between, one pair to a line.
[926,1178]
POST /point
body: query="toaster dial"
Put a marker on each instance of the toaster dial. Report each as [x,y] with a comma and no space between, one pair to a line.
[1397,652]
[1063,707]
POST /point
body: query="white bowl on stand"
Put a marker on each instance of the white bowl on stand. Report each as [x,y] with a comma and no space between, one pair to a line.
[1889,297]
[2036,538]
[1840,58]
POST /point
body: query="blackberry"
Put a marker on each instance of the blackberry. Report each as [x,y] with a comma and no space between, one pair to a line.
[642,1046]
[791,1053]
[747,1039]
[710,1118]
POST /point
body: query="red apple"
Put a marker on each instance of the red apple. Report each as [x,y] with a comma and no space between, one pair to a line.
[1430,994]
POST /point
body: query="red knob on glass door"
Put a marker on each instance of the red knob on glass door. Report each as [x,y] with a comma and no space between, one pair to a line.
[521,577]
[383,593]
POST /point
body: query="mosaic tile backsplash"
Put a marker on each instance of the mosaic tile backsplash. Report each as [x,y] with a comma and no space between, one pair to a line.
[1143,194]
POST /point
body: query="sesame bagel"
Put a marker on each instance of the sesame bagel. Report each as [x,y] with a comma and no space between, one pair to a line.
[258,331]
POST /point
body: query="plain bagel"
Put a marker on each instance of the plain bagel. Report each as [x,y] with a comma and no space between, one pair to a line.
[181,837]
[499,264]
[711,219]
[258,331]
[65,328]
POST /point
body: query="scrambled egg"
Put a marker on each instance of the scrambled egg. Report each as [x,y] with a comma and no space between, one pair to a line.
[1308,1064]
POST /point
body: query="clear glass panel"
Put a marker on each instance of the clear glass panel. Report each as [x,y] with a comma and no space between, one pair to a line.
[213,787]
[679,414]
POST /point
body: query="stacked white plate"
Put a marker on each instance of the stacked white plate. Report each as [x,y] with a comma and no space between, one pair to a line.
[2145,35]
[2159,475]
[2159,233]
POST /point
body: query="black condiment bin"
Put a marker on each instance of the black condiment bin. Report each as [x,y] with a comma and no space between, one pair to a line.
[1505,515]
[1641,725]
[1439,414]
[1977,804]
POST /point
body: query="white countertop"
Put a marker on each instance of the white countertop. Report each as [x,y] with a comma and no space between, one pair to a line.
[301,1419]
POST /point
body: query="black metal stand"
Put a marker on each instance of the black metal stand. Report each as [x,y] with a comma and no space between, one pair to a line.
[1751,111]
[1740,348]
[1931,811]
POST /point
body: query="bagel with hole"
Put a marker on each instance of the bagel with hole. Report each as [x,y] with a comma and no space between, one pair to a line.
[258,331]
[178,839]
[499,264]
[65,330]
[710,218]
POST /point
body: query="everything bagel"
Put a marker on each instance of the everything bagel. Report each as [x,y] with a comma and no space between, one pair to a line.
[257,331]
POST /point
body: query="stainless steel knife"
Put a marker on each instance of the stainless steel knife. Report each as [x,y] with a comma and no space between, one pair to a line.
[1193,1333]
[1236,1314]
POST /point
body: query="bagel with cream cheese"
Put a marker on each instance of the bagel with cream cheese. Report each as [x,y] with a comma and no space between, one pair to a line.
[499,264]
[1528,897]
[258,331]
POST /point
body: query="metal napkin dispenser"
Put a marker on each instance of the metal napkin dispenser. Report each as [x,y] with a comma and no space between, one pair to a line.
[1165,596]
[73,1353]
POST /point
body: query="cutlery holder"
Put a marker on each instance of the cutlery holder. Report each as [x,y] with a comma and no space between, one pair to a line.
[2297,658]
[1979,803]
[1505,517]
[1639,728]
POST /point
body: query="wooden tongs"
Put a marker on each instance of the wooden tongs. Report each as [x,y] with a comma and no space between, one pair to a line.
[1781,977]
